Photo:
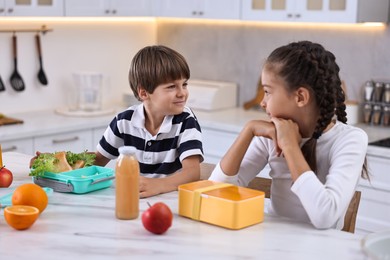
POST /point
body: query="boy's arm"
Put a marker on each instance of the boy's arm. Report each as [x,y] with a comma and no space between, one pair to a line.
[100,160]
[190,172]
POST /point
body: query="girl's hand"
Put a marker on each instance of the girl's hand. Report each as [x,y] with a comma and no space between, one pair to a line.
[265,129]
[287,133]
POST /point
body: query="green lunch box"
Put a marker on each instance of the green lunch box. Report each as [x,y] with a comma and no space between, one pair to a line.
[79,181]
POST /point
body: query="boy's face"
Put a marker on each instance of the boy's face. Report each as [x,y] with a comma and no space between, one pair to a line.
[168,98]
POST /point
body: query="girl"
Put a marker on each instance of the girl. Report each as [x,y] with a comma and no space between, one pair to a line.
[315,157]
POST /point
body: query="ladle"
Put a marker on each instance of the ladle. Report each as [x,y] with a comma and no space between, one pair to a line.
[16,80]
[41,74]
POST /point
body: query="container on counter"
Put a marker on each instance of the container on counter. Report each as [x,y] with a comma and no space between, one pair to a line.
[368,90]
[221,204]
[378,92]
[367,113]
[386,116]
[127,184]
[386,93]
[376,114]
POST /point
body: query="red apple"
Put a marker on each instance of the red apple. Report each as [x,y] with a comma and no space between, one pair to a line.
[6,177]
[157,218]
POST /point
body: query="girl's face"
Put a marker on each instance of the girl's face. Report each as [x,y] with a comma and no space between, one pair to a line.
[169,98]
[277,101]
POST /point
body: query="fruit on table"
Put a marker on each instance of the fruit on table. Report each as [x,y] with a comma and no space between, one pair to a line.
[157,218]
[6,177]
[30,194]
[21,217]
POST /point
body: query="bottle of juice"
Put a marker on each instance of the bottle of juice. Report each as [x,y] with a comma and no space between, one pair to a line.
[127,184]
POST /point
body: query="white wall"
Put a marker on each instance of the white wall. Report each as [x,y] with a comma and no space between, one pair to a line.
[236,51]
[74,45]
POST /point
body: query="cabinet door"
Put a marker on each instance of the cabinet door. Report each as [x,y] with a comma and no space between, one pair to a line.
[131,7]
[326,11]
[178,8]
[268,10]
[221,9]
[34,8]
[216,143]
[77,142]
[108,7]
[21,145]
[87,7]
[374,208]
[207,9]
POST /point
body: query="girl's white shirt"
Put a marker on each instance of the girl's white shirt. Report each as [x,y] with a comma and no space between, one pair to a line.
[321,198]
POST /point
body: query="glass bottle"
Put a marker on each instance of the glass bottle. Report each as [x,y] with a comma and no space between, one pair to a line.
[376,114]
[368,90]
[386,116]
[127,184]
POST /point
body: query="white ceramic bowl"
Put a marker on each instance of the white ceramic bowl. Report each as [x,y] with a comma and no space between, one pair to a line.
[377,245]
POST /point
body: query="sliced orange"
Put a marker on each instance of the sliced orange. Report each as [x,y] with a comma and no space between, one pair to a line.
[30,194]
[21,217]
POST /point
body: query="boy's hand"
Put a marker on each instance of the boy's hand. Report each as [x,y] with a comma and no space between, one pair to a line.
[149,187]
[33,159]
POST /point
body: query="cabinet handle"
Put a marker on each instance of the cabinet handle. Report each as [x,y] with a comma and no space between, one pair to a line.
[10,149]
[1,10]
[114,11]
[200,13]
[107,11]
[289,15]
[194,12]
[297,16]
[10,10]
[70,139]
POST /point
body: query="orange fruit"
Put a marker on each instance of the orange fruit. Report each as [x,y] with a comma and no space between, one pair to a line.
[20,217]
[30,194]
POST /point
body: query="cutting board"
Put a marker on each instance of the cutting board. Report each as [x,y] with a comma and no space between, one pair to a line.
[9,120]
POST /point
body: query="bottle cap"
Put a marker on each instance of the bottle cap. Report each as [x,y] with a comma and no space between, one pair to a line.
[127,150]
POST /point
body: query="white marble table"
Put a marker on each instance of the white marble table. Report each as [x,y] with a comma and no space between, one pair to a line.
[84,227]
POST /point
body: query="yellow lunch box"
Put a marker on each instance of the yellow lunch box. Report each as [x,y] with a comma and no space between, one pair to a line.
[221,204]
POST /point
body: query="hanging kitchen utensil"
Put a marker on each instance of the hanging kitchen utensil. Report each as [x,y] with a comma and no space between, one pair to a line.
[2,86]
[16,80]
[41,74]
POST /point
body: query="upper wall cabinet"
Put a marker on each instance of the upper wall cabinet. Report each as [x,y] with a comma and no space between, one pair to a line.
[108,7]
[31,8]
[207,9]
[326,11]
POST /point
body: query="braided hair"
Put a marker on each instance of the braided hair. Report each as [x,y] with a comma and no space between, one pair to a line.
[310,65]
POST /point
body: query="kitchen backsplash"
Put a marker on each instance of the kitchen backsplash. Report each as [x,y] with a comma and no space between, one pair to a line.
[224,51]
[72,46]
[235,52]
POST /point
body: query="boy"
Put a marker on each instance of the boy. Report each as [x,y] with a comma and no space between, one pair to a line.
[164,131]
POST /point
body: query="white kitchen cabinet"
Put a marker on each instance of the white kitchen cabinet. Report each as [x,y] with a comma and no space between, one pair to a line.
[77,141]
[25,145]
[207,9]
[326,11]
[31,8]
[97,134]
[374,208]
[217,142]
[108,7]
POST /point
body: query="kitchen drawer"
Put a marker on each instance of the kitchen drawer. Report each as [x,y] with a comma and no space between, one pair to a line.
[20,145]
[77,141]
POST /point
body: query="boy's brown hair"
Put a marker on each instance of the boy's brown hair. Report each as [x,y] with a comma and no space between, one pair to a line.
[155,65]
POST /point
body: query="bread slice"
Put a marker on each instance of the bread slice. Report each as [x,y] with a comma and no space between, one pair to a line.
[62,165]
[78,164]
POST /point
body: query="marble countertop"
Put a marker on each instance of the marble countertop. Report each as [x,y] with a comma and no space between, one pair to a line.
[84,227]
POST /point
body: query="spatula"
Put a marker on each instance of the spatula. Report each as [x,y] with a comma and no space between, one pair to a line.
[16,80]
[41,74]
